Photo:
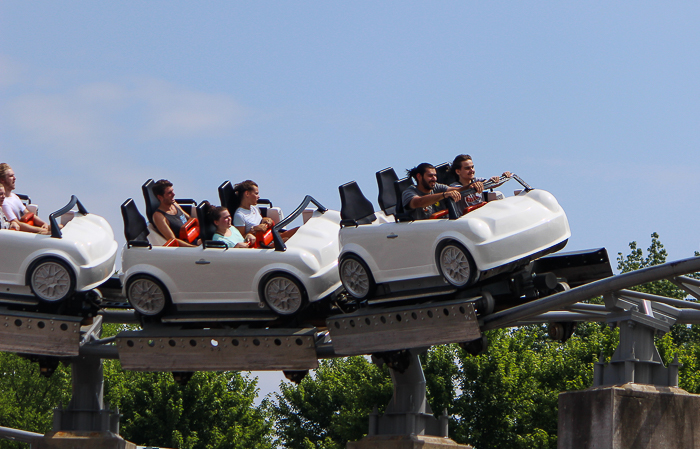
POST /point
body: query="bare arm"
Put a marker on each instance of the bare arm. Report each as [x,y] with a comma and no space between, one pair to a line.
[29,228]
[241,229]
[161,224]
[418,202]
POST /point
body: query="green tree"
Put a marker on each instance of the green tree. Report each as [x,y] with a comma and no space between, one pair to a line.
[332,406]
[509,394]
[214,410]
[28,399]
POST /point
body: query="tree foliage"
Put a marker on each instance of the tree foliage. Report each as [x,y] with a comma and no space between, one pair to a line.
[28,399]
[332,406]
[214,410]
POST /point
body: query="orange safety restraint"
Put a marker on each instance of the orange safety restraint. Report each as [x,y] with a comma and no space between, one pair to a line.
[474,207]
[28,218]
[440,214]
[190,230]
[173,243]
[263,239]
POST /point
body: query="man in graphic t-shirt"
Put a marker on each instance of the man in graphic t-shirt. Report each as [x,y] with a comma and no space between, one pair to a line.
[420,200]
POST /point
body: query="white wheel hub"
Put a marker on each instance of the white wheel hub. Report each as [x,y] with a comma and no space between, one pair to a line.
[454,264]
[355,278]
[147,297]
[51,281]
[283,295]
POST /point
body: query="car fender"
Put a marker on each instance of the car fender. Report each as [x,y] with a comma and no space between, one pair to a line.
[360,251]
[458,237]
[37,255]
[150,270]
[279,267]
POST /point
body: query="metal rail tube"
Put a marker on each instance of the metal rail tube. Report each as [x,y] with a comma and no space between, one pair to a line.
[325,352]
[119,316]
[101,351]
[19,435]
[689,317]
[679,303]
[597,288]
[593,308]
[559,317]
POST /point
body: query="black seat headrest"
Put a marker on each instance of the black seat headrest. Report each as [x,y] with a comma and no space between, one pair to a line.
[228,197]
[354,205]
[387,193]
[152,203]
[443,174]
[206,225]
[135,226]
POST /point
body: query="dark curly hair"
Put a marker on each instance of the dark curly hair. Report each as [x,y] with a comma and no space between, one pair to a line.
[419,169]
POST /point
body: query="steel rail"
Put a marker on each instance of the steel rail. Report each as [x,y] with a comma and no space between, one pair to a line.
[19,435]
[677,303]
[587,291]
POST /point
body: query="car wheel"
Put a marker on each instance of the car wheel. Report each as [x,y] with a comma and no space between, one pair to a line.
[147,295]
[52,280]
[456,264]
[356,277]
[283,294]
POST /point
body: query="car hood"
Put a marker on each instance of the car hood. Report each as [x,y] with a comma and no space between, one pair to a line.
[517,212]
[319,237]
[91,235]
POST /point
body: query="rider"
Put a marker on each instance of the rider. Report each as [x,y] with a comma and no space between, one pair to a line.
[462,168]
[247,218]
[4,222]
[420,200]
[226,233]
[13,207]
[169,217]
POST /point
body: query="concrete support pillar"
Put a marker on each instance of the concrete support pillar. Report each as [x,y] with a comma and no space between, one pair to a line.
[629,416]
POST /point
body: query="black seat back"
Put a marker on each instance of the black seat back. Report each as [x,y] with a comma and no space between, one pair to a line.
[399,187]
[354,206]
[135,226]
[152,203]
[387,193]
[443,174]
[228,197]
[206,225]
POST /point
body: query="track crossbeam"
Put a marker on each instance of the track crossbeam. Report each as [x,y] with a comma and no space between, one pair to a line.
[217,349]
[397,328]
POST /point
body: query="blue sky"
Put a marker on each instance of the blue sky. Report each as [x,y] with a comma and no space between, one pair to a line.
[597,102]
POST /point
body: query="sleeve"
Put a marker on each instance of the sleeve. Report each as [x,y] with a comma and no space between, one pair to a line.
[439,188]
[9,213]
[238,219]
[406,198]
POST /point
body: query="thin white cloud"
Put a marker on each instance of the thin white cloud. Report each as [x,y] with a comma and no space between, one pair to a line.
[176,112]
[104,116]
[10,71]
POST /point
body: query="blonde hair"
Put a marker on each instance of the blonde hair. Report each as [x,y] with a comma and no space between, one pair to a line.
[4,167]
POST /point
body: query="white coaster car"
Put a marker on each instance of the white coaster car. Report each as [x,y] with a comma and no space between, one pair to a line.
[212,279]
[384,256]
[76,258]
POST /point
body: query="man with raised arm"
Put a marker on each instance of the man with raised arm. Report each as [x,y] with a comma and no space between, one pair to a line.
[420,200]
[463,169]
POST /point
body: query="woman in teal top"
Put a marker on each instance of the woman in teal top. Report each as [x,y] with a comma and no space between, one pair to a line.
[226,233]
